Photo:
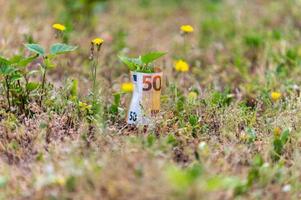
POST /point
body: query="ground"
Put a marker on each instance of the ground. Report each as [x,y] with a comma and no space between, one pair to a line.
[229,128]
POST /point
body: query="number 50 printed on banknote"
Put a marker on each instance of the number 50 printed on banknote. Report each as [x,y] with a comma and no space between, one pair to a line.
[145,102]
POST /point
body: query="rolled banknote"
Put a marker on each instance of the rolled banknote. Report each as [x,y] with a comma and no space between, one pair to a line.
[145,103]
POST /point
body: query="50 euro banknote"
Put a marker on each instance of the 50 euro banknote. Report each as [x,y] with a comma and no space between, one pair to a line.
[145,103]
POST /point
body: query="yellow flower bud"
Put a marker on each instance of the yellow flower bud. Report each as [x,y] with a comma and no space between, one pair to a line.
[59,27]
[181,66]
[276,96]
[127,87]
[97,41]
[277,132]
[187,29]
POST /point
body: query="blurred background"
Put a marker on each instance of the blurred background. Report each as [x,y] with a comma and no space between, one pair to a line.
[232,38]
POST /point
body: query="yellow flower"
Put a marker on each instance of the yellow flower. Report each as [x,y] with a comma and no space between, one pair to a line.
[276,96]
[127,87]
[192,96]
[59,27]
[277,131]
[83,106]
[181,66]
[187,29]
[97,41]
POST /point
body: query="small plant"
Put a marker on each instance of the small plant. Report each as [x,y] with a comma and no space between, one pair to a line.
[142,63]
[47,60]
[113,110]
[94,63]
[14,73]
[185,30]
[181,66]
[279,141]
[60,32]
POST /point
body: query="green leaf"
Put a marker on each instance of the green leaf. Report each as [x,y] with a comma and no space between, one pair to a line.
[49,64]
[25,61]
[278,148]
[16,77]
[36,48]
[193,120]
[220,182]
[150,140]
[21,61]
[132,63]
[74,88]
[15,59]
[170,139]
[31,86]
[6,70]
[150,57]
[285,136]
[60,48]
[3,61]
[257,161]
[117,98]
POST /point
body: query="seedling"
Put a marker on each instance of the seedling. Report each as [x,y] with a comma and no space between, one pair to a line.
[279,144]
[13,71]
[142,63]
[47,62]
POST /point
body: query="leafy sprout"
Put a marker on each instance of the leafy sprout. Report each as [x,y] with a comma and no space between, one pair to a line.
[55,50]
[142,63]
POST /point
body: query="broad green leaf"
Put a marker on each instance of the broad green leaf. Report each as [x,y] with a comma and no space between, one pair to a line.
[150,57]
[60,48]
[15,59]
[31,86]
[36,48]
[132,63]
[25,61]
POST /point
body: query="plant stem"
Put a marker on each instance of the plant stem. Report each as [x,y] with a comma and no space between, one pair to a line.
[7,92]
[22,108]
[94,71]
[43,85]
